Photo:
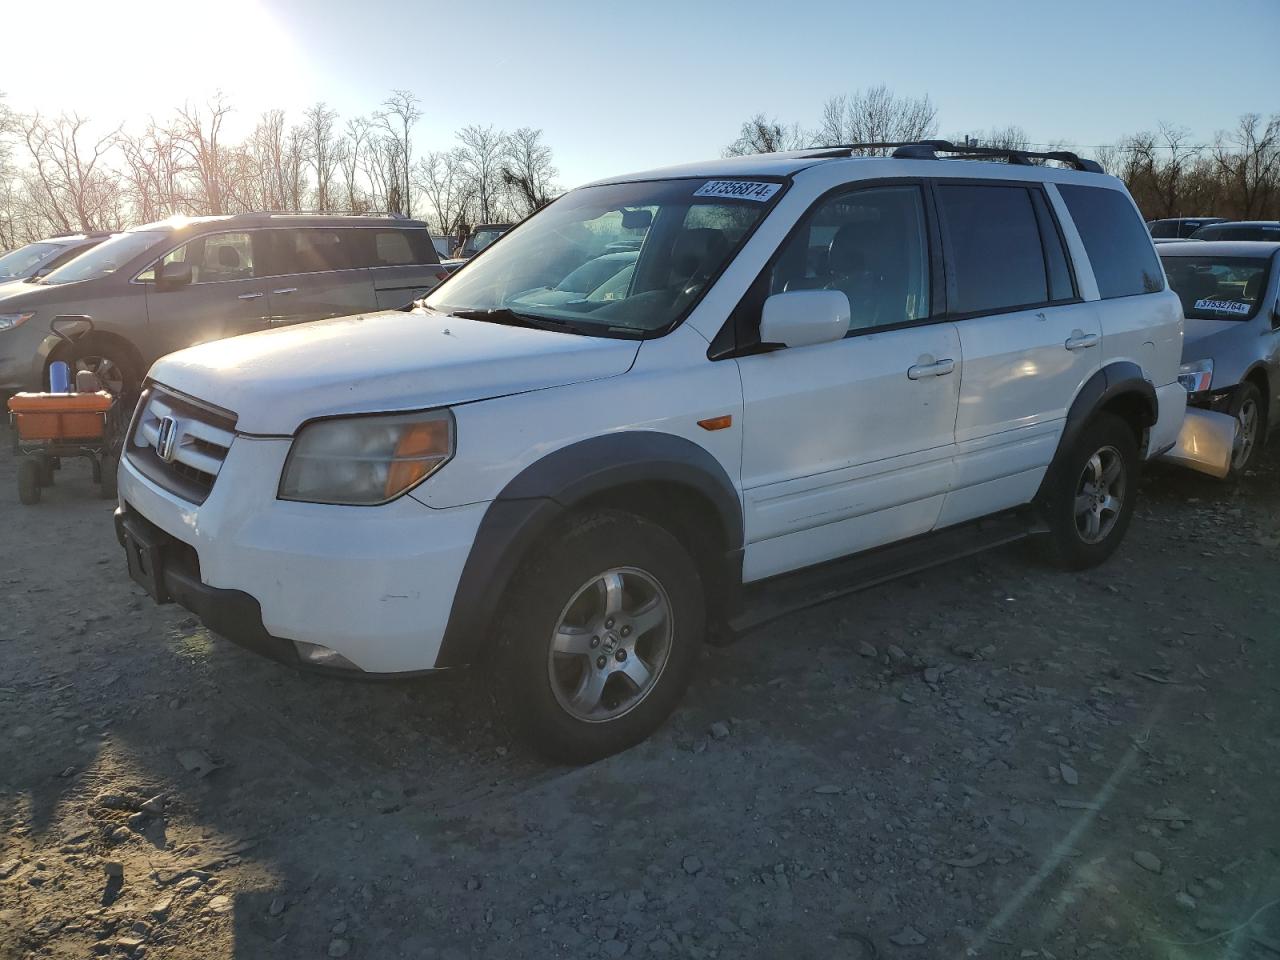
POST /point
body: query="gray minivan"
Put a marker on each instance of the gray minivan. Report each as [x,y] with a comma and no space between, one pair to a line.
[179,282]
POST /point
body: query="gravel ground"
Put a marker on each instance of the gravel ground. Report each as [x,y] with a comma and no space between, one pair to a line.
[992,759]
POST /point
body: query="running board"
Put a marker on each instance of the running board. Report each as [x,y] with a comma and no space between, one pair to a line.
[790,592]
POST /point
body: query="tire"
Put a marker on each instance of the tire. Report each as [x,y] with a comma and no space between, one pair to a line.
[28,481]
[1249,410]
[111,361]
[46,471]
[597,591]
[1083,531]
[107,478]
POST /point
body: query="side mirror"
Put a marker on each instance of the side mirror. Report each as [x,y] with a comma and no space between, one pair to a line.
[801,318]
[171,276]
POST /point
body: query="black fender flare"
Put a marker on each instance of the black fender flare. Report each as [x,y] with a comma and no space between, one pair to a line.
[1108,383]
[544,491]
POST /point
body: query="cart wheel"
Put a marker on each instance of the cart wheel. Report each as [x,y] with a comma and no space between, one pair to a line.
[107,476]
[46,470]
[29,481]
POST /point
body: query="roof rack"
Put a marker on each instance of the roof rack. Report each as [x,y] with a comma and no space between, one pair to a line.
[929,150]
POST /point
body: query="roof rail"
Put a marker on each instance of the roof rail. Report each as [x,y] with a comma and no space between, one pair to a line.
[929,150]
[322,213]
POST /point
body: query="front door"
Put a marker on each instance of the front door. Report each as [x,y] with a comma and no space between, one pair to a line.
[225,297]
[848,445]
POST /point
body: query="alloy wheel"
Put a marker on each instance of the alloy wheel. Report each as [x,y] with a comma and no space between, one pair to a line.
[107,371]
[1247,435]
[610,645]
[1100,495]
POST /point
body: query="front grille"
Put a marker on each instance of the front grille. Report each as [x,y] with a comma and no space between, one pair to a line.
[192,436]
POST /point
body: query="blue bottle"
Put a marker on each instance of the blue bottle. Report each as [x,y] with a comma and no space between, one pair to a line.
[59,377]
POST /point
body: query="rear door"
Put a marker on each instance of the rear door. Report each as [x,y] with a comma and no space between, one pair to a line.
[1029,341]
[320,272]
[403,264]
[226,296]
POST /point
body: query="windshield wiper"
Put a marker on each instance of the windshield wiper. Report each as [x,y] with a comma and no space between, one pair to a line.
[510,318]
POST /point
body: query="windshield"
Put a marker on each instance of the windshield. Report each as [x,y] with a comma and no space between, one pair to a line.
[1218,288]
[481,239]
[617,260]
[107,257]
[25,261]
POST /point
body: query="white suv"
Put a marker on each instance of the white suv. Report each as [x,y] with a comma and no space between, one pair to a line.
[626,422]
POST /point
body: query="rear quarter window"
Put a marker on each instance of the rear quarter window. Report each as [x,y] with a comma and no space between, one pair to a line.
[1116,240]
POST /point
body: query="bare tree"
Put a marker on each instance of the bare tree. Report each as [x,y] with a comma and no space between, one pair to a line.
[480,153]
[66,179]
[527,170]
[153,172]
[398,116]
[760,135]
[198,136]
[876,115]
[1248,162]
[443,181]
[322,150]
[350,150]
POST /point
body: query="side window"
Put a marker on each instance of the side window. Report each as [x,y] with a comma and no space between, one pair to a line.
[223,256]
[992,239]
[316,250]
[180,255]
[872,245]
[1119,247]
[1061,285]
[398,248]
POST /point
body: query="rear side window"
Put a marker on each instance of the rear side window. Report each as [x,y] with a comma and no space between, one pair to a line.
[1119,247]
[400,248]
[1165,229]
[992,237]
[316,250]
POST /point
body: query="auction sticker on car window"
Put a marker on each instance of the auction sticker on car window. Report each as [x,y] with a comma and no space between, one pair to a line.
[1224,306]
[738,190]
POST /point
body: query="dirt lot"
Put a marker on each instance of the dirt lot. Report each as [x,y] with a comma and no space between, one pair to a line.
[993,759]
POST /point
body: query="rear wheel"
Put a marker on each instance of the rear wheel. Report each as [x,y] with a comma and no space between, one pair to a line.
[28,481]
[1091,499]
[46,470]
[1248,411]
[107,360]
[598,639]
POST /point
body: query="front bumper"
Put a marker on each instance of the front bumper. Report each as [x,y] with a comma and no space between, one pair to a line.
[373,584]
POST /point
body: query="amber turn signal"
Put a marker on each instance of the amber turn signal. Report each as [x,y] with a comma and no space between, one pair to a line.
[717,423]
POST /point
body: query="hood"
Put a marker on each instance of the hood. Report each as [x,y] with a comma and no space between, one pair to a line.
[1201,338]
[276,380]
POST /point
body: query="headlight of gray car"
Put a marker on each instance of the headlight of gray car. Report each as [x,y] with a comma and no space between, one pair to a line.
[1196,376]
[10,320]
[366,460]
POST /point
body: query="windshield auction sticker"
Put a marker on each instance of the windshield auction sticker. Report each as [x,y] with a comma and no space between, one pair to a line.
[738,190]
[1224,306]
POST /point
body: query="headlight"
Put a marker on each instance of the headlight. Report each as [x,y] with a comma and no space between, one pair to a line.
[1196,376]
[10,320]
[366,460]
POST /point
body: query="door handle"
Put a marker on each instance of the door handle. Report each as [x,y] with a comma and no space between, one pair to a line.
[1082,341]
[939,368]
[249,296]
[284,290]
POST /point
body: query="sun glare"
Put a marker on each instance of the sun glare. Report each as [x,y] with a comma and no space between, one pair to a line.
[145,58]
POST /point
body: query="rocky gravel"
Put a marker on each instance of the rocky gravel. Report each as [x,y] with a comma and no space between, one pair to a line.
[991,759]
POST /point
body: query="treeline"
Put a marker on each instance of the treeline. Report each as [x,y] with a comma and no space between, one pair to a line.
[1169,172]
[61,174]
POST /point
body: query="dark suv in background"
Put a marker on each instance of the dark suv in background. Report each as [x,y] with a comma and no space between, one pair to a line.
[179,282]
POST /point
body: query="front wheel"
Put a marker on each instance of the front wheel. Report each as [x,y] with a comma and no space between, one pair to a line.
[1248,410]
[1091,498]
[598,638]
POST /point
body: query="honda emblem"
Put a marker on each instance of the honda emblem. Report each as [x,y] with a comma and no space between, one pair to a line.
[166,439]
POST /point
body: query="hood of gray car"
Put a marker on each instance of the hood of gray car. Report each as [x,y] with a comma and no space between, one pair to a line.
[1202,338]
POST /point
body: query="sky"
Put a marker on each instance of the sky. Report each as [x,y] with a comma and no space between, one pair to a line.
[618,87]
